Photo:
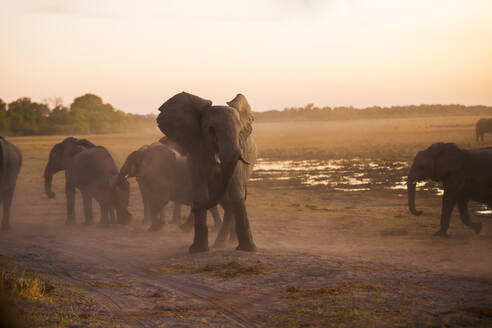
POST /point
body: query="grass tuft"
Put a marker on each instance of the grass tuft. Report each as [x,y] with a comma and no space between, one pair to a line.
[15,283]
[234,269]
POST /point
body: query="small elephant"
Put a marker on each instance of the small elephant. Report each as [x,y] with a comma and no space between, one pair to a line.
[215,137]
[483,126]
[162,174]
[10,164]
[465,174]
[91,169]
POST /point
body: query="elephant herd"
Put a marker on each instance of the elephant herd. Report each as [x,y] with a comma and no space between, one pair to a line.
[205,160]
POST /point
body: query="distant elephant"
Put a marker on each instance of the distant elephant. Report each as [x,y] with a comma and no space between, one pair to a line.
[215,137]
[483,126]
[162,175]
[10,164]
[93,171]
[465,174]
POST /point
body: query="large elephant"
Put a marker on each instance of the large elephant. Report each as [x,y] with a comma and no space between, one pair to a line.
[483,126]
[10,164]
[92,170]
[228,230]
[162,174]
[466,175]
[215,137]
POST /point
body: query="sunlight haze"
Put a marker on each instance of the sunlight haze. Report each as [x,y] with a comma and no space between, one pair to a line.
[279,53]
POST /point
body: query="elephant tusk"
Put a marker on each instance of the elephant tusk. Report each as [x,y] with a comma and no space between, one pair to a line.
[243,160]
[217,158]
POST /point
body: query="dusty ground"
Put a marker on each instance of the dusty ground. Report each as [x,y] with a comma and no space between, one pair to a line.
[326,257]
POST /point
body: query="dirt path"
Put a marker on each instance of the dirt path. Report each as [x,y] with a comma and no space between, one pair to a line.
[143,279]
[111,269]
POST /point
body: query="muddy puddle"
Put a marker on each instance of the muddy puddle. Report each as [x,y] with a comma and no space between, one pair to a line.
[346,175]
[343,175]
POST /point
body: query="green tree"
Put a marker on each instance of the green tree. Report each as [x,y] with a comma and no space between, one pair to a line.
[26,117]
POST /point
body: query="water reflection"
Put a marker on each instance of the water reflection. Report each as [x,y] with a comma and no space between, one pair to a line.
[346,175]
[354,174]
[482,209]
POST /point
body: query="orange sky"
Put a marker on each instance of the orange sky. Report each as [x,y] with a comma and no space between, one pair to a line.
[279,53]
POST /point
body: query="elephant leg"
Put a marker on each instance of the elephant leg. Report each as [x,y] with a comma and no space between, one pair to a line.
[233,233]
[465,217]
[448,202]
[189,224]
[70,194]
[104,215]
[87,200]
[224,229]
[200,239]
[177,213]
[155,217]
[146,206]
[162,215]
[7,202]
[215,214]
[112,215]
[243,228]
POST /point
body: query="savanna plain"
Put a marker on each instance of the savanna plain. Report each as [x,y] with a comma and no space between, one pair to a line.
[337,246]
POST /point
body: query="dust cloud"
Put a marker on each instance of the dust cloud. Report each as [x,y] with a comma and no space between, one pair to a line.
[326,212]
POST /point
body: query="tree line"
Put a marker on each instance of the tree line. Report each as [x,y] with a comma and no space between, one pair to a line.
[314,113]
[87,114]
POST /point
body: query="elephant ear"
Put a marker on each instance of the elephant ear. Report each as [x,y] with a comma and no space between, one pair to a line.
[180,119]
[240,103]
[57,153]
[449,160]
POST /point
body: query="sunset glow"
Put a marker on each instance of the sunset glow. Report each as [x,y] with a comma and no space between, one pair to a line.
[136,54]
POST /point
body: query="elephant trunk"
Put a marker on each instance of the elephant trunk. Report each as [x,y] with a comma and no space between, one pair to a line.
[120,200]
[227,169]
[123,215]
[411,197]
[48,179]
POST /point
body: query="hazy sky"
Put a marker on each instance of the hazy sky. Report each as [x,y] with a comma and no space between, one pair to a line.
[279,53]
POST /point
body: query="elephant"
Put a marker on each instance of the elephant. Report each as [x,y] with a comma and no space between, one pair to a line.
[162,174]
[93,170]
[228,230]
[465,173]
[215,137]
[10,164]
[483,126]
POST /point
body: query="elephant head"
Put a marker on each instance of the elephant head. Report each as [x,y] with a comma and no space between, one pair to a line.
[212,135]
[131,166]
[60,156]
[440,162]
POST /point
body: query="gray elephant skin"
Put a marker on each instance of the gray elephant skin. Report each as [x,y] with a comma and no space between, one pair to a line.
[162,174]
[466,175]
[483,126]
[216,139]
[10,164]
[92,170]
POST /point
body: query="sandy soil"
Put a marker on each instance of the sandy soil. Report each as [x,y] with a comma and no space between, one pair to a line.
[340,256]
[325,258]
